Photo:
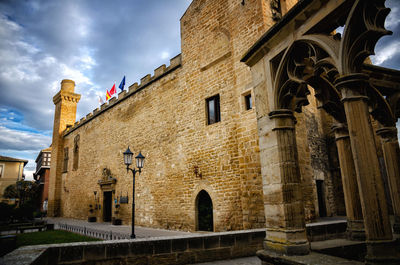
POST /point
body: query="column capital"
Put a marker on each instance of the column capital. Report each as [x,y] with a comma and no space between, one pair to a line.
[340,130]
[285,119]
[388,133]
[281,113]
[352,86]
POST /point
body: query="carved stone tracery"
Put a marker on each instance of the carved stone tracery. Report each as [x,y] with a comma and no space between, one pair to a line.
[107,181]
[364,27]
[306,64]
[345,90]
[276,10]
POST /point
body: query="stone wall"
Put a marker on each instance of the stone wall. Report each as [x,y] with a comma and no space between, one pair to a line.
[165,118]
[166,250]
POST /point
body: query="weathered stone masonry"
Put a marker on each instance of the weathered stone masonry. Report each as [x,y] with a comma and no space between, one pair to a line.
[165,118]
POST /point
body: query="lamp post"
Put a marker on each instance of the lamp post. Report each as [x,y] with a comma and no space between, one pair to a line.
[139,164]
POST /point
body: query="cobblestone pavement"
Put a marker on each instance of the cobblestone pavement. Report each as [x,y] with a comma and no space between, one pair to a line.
[140,232]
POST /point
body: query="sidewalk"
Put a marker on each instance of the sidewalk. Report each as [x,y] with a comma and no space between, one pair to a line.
[140,232]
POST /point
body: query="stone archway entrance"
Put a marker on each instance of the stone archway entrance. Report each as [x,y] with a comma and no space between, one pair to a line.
[204,210]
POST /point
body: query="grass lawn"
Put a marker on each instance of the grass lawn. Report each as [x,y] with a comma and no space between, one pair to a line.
[51,237]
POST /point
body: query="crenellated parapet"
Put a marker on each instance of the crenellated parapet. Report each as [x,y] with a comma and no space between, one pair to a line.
[145,81]
[66,96]
[158,73]
[66,93]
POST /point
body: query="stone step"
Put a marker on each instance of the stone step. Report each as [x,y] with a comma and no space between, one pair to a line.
[325,230]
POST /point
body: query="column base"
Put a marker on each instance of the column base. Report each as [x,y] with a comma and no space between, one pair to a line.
[383,252]
[287,248]
[355,230]
[287,241]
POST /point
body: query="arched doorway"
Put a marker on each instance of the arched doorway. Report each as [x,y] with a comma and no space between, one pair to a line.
[204,210]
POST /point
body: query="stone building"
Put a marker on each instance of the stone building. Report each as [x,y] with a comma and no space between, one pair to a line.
[196,124]
[213,160]
[42,173]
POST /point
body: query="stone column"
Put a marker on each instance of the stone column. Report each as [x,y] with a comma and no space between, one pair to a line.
[285,222]
[370,183]
[391,153]
[355,221]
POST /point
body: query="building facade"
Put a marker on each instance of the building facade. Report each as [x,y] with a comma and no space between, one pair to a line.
[11,171]
[42,174]
[196,124]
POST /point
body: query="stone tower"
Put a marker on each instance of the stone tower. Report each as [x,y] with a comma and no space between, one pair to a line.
[65,114]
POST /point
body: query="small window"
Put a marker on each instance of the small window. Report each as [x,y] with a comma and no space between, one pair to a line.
[213,112]
[65,165]
[248,102]
[1,170]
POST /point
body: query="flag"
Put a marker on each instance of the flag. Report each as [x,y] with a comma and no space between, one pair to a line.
[121,86]
[101,102]
[113,90]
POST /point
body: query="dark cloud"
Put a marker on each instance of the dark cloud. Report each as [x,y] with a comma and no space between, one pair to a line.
[93,42]
[22,140]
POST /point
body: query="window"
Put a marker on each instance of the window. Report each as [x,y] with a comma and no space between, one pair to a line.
[65,165]
[248,102]
[1,170]
[76,153]
[213,112]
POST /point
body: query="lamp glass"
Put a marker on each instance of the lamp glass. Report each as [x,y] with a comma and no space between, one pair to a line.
[140,160]
[128,157]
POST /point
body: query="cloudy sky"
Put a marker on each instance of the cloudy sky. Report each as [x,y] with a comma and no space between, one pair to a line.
[95,43]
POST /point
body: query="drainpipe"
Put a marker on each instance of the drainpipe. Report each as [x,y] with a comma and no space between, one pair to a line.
[19,171]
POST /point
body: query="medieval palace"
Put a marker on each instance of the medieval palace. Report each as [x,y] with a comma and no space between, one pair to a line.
[269,118]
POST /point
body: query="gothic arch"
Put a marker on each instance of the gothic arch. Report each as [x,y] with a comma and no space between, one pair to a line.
[204,212]
[208,189]
[299,51]
[364,26]
[312,61]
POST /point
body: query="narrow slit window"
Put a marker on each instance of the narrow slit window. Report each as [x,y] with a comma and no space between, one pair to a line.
[65,165]
[76,153]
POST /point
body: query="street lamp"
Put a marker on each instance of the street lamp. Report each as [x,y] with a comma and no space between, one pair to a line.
[139,164]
